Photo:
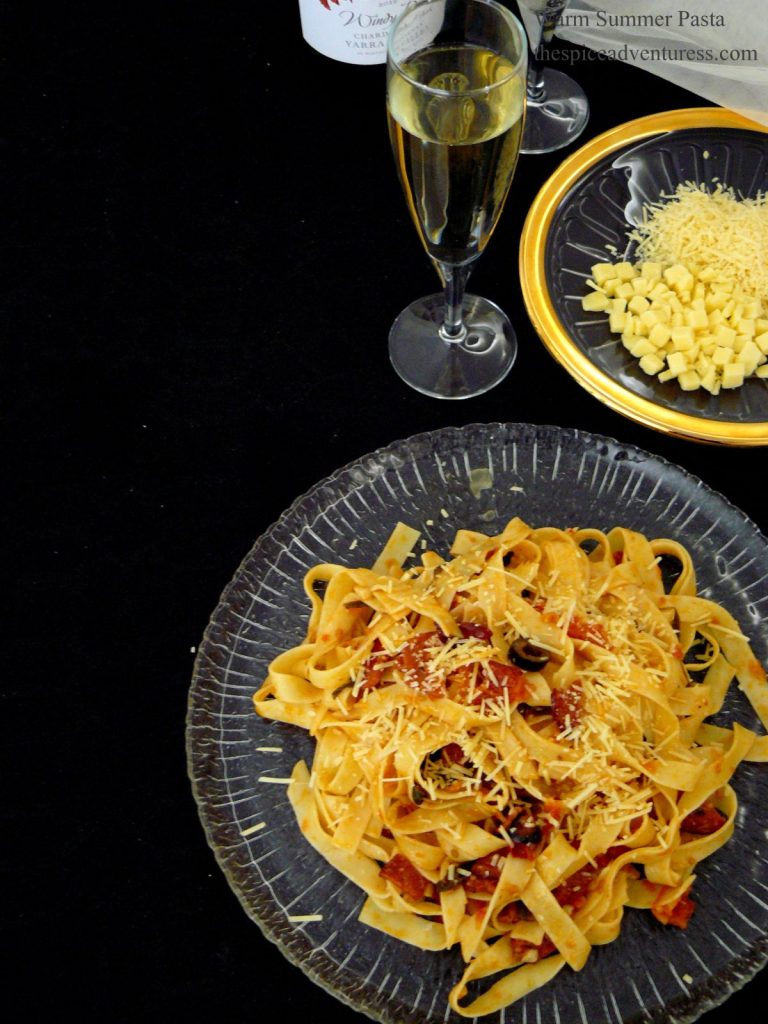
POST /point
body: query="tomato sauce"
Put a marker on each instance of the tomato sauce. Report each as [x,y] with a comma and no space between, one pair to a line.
[405,877]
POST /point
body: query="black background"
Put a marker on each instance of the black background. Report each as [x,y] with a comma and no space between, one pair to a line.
[205,246]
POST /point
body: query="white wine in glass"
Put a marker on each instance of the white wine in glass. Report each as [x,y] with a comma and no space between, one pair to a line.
[455,101]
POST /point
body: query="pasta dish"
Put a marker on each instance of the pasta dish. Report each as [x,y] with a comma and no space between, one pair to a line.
[512,743]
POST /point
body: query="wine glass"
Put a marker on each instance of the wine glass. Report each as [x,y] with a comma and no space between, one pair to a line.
[557,108]
[455,103]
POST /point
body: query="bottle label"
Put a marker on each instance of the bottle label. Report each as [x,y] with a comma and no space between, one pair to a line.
[354,31]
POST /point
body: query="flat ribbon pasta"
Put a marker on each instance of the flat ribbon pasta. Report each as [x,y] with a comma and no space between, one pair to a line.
[512,743]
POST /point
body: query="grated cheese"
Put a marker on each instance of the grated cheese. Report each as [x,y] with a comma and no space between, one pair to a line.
[254,828]
[714,229]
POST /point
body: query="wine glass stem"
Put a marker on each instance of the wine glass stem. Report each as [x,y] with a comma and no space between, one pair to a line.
[455,282]
[548,22]
[535,87]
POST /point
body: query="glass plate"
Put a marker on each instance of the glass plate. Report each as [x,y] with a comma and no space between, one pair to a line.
[546,475]
[591,202]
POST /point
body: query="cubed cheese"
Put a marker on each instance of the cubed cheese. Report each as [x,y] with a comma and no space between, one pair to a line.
[750,357]
[638,304]
[725,335]
[659,335]
[694,327]
[722,355]
[616,322]
[624,271]
[595,302]
[677,363]
[642,347]
[689,381]
[651,271]
[681,338]
[602,272]
[696,318]
[651,364]
[733,375]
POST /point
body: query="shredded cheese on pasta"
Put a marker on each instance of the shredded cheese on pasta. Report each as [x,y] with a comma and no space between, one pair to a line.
[512,743]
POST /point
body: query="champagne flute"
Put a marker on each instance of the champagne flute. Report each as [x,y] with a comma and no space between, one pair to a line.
[455,103]
[557,107]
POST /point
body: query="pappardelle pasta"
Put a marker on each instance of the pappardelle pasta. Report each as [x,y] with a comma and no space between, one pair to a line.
[512,744]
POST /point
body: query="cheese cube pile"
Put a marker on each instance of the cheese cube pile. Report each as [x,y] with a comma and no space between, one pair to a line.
[683,324]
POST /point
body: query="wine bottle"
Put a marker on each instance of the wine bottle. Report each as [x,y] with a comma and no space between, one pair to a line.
[354,31]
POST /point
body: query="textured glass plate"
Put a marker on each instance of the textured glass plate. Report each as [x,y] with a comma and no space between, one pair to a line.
[547,476]
[593,200]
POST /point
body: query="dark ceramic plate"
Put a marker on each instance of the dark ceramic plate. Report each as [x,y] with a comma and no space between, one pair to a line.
[546,475]
[590,204]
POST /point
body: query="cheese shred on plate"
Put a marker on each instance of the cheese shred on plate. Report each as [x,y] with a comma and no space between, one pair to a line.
[511,743]
[714,229]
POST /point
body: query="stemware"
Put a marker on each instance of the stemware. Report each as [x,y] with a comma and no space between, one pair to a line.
[557,106]
[455,102]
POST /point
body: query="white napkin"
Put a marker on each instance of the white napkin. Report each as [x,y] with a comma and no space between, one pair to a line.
[655,35]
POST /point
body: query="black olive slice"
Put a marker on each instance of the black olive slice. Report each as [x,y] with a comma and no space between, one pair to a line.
[446,884]
[527,655]
[419,795]
[526,835]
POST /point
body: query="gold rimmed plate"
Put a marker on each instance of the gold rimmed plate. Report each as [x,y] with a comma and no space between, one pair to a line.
[583,215]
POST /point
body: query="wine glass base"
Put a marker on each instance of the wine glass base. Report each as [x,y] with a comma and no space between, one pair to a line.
[452,369]
[559,118]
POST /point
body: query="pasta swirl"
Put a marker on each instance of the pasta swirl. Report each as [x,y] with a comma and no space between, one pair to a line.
[512,743]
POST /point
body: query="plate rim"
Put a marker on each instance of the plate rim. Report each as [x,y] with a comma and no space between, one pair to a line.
[539,305]
[737,972]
